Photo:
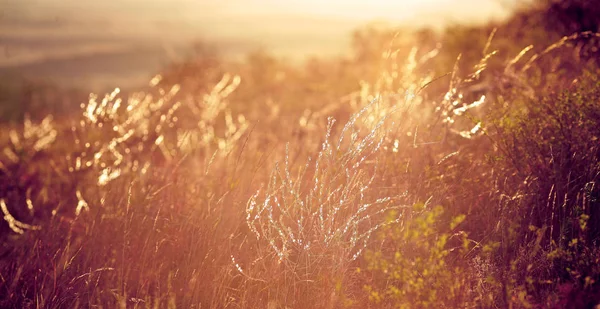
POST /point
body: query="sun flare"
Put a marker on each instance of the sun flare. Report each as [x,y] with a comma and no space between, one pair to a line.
[361,10]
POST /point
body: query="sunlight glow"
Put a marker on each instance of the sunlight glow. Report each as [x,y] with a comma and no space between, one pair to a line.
[356,9]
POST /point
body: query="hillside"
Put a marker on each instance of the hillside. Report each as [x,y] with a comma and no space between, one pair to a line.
[457,168]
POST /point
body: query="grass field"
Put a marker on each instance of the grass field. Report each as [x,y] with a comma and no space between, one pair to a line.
[458,169]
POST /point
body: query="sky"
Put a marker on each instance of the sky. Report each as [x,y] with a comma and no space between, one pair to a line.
[104,41]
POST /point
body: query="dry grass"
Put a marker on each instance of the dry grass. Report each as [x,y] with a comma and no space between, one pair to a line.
[170,198]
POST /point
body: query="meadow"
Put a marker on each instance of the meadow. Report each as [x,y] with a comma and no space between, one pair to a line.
[454,169]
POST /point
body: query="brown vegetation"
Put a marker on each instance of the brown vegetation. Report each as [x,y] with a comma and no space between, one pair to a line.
[401,177]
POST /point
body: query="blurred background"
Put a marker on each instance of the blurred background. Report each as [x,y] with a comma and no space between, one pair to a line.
[98,45]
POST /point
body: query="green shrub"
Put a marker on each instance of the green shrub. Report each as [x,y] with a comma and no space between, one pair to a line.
[421,262]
